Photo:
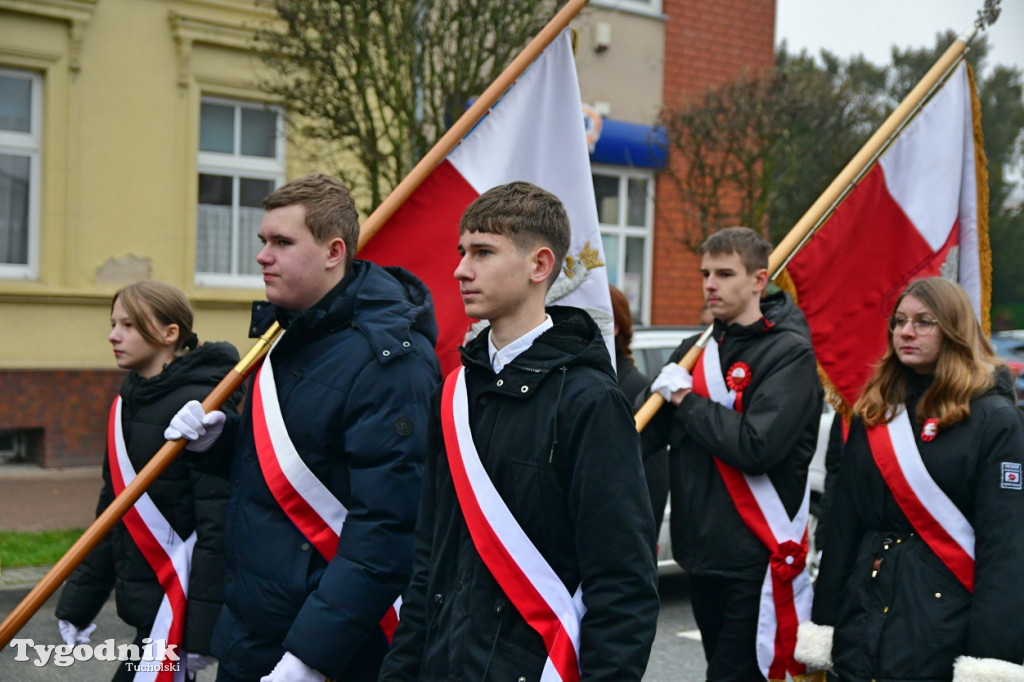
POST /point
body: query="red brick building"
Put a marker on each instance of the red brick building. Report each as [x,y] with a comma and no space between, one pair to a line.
[706,44]
[637,58]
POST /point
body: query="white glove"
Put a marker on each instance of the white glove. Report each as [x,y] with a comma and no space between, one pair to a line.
[291,669]
[196,426]
[672,378]
[196,662]
[72,635]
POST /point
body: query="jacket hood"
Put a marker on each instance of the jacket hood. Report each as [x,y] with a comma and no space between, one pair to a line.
[574,339]
[385,303]
[778,313]
[207,364]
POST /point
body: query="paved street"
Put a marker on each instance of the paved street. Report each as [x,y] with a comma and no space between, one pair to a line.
[675,658]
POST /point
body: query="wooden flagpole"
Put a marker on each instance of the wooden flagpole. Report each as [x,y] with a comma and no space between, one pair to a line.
[128,497]
[837,191]
[465,123]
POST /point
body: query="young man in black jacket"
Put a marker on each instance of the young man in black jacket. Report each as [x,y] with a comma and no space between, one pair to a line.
[326,460]
[535,541]
[742,432]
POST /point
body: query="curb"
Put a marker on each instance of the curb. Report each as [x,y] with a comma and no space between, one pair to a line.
[22,577]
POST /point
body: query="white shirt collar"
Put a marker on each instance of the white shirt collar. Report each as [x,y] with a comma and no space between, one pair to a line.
[500,358]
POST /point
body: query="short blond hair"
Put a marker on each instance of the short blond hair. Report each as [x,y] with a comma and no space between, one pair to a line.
[330,211]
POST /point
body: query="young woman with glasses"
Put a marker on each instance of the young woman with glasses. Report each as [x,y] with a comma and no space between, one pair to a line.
[922,576]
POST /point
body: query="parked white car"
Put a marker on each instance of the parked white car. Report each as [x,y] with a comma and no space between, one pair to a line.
[652,347]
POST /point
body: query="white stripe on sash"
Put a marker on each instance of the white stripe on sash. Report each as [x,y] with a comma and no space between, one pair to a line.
[322,511]
[330,510]
[781,527]
[720,393]
[569,609]
[928,492]
[170,549]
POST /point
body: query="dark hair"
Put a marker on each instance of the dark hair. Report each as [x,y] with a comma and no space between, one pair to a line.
[330,211]
[752,248]
[147,301]
[623,321]
[526,214]
[963,371]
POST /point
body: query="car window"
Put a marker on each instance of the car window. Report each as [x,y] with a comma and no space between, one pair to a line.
[650,360]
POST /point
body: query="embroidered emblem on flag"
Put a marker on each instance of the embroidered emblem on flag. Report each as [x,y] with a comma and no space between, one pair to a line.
[1011,476]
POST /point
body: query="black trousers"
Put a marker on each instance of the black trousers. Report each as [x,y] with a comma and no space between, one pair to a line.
[726,612]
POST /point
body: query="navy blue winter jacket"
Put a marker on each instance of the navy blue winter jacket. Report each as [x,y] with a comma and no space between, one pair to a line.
[354,374]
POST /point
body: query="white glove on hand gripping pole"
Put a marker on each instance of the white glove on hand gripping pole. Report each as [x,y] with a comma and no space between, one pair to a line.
[196,426]
[72,635]
[672,378]
[291,669]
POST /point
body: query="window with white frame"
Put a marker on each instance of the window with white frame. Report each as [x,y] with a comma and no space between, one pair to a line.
[625,211]
[241,161]
[20,144]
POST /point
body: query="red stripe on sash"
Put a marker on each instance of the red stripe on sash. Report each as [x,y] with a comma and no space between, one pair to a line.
[151,549]
[931,531]
[305,518]
[510,577]
[786,619]
[308,522]
[700,382]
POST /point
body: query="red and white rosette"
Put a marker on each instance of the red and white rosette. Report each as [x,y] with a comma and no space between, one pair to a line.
[738,377]
[930,430]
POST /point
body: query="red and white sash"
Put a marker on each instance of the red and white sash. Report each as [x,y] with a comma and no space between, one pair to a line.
[314,509]
[938,521]
[523,574]
[167,554]
[786,593]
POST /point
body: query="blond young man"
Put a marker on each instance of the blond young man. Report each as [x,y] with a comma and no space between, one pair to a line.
[326,459]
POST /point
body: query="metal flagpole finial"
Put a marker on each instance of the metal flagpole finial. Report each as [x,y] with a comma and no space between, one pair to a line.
[988,15]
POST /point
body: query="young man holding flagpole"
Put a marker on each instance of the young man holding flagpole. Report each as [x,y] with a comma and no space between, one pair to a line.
[742,431]
[326,460]
[534,552]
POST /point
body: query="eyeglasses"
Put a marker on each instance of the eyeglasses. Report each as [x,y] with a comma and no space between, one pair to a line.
[922,325]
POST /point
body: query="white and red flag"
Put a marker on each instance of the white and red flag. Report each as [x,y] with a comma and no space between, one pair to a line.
[921,211]
[534,133]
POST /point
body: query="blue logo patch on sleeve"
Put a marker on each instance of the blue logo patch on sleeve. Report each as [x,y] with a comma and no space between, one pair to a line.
[1011,476]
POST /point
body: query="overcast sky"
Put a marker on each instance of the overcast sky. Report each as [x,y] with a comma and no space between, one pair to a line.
[872,27]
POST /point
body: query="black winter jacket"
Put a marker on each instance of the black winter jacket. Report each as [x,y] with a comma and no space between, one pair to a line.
[189,500]
[557,439]
[912,618]
[774,434]
[354,374]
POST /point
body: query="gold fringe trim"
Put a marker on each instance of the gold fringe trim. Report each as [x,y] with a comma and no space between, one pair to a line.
[785,282]
[981,176]
[818,676]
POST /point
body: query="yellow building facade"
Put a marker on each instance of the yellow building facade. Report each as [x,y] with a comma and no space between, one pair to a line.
[133,136]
